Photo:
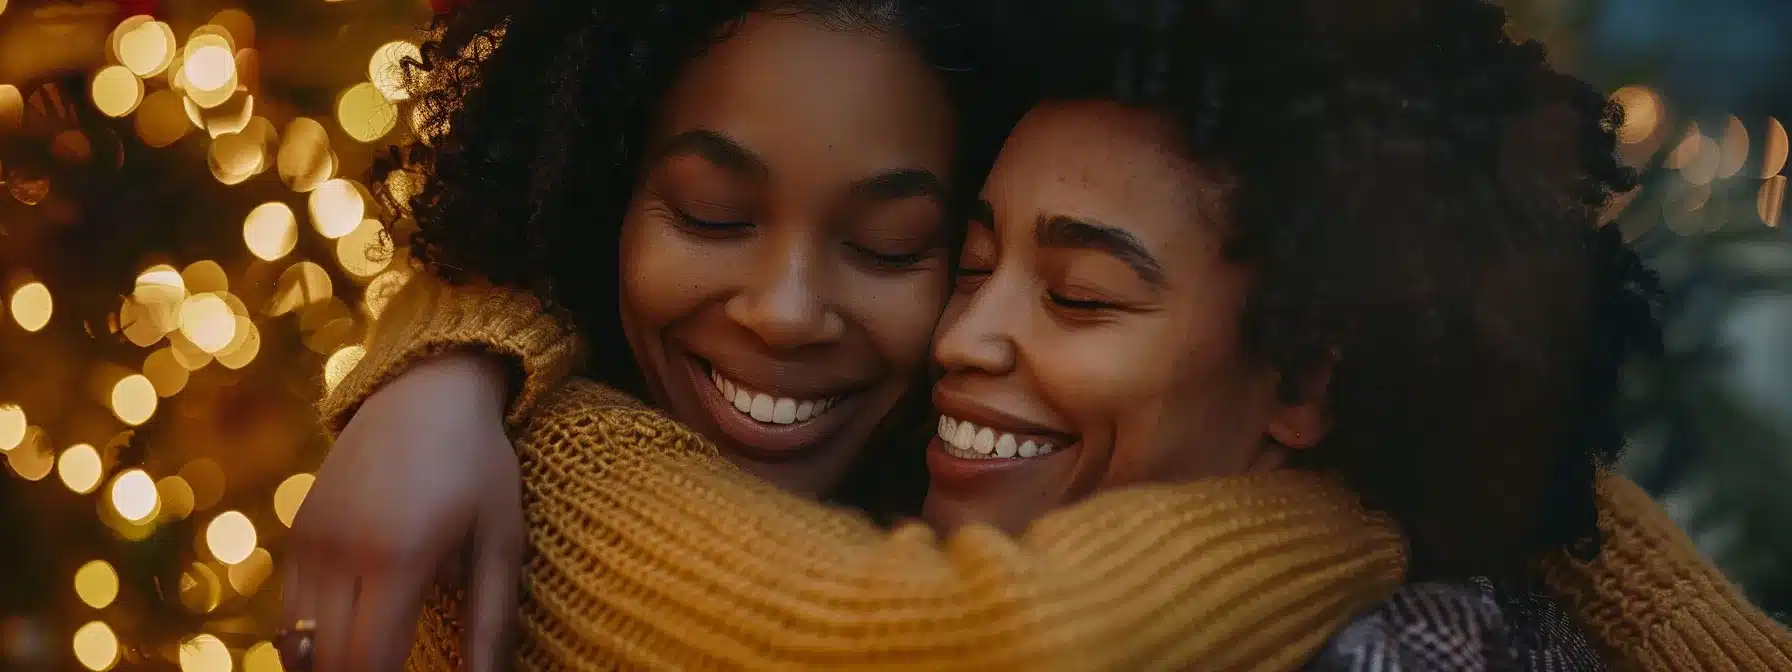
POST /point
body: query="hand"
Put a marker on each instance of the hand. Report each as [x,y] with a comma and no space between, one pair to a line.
[421,477]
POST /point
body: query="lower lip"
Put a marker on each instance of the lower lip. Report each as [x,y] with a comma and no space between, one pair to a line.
[766,441]
[946,468]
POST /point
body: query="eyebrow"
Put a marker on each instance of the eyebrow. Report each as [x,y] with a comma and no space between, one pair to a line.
[1060,231]
[716,148]
[899,184]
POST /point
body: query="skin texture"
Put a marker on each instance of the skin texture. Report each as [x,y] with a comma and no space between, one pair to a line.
[791,236]
[1094,311]
[788,230]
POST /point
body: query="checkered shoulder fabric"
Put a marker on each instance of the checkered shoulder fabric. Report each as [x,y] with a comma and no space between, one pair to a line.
[1467,627]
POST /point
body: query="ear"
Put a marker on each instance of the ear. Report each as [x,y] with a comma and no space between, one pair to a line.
[1305,422]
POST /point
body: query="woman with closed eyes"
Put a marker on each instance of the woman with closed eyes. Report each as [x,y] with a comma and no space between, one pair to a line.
[1177,302]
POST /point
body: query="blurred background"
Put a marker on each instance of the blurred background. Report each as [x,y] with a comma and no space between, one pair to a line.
[189,255]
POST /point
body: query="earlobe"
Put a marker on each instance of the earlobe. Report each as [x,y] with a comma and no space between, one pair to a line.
[1304,423]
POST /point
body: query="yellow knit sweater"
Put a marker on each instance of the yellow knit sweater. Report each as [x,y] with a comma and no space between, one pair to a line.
[650,551]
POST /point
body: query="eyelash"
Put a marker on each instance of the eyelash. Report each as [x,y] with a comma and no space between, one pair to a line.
[707,227]
[889,261]
[1078,304]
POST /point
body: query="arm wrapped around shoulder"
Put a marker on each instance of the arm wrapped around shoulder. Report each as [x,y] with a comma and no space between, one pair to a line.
[428,318]
[650,551]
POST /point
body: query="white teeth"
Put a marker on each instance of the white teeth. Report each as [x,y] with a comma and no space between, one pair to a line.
[966,440]
[767,408]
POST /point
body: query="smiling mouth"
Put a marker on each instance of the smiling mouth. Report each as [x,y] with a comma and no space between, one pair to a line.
[967,440]
[769,409]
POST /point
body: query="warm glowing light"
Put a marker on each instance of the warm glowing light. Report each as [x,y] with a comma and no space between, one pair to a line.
[365,113]
[12,107]
[96,584]
[206,276]
[237,156]
[31,306]
[116,91]
[80,468]
[248,575]
[300,285]
[1642,113]
[262,657]
[12,427]
[382,289]
[1770,203]
[340,364]
[1734,149]
[165,372]
[134,495]
[32,459]
[134,399]
[244,347]
[290,495]
[204,653]
[366,251]
[146,49]
[337,208]
[177,497]
[206,320]
[304,159]
[161,120]
[386,69]
[1773,150]
[210,68]
[230,537]
[96,647]
[271,230]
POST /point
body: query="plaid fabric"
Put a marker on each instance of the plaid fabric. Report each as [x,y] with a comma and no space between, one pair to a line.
[1468,627]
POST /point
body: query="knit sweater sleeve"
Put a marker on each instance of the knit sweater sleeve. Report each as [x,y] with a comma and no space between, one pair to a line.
[428,318]
[1655,603]
[651,552]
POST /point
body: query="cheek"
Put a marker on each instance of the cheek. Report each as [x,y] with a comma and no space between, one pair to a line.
[899,312]
[665,274]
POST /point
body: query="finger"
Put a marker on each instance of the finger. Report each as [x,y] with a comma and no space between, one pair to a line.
[385,620]
[335,619]
[492,609]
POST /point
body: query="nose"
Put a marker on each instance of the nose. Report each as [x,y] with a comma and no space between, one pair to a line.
[785,302]
[976,333]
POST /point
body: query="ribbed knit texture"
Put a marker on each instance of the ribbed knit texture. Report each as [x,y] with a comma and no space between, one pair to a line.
[651,551]
[1653,601]
[428,318]
[1650,599]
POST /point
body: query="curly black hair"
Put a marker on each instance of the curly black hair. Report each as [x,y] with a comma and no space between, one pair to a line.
[535,115]
[1419,198]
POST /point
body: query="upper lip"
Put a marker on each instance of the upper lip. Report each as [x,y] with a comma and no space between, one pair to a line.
[959,407]
[789,382]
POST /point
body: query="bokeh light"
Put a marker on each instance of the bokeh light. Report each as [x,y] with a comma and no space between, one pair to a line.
[337,208]
[290,495]
[304,160]
[146,48]
[161,120]
[1773,149]
[116,92]
[134,495]
[340,364]
[271,231]
[386,69]
[365,251]
[96,647]
[12,426]
[1642,113]
[80,468]
[204,653]
[176,496]
[134,399]
[207,322]
[230,537]
[31,306]
[96,583]
[365,113]
[262,657]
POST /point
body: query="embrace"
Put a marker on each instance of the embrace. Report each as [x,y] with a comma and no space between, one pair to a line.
[952,334]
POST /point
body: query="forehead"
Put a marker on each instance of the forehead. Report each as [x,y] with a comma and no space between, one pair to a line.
[809,98]
[1103,162]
